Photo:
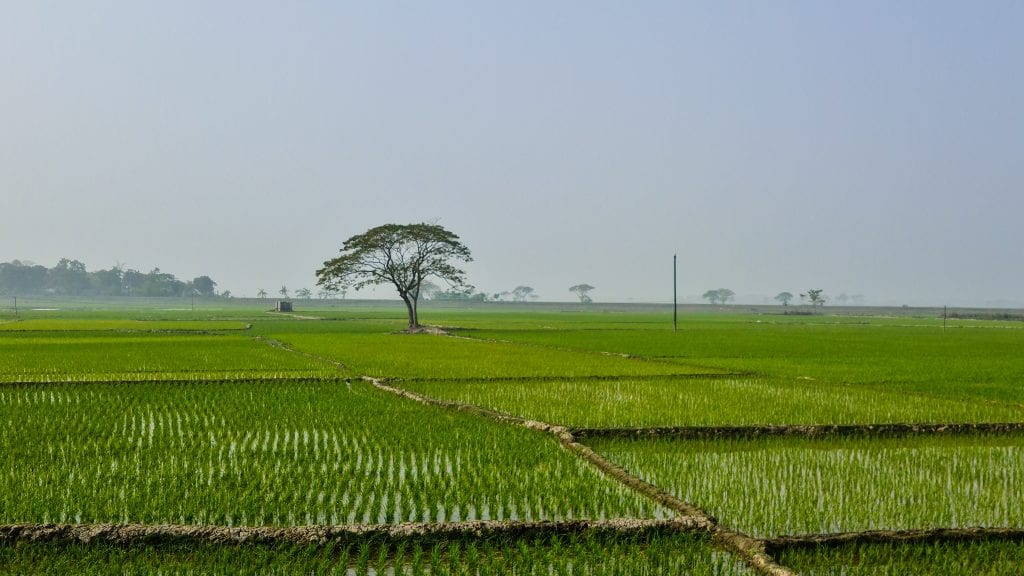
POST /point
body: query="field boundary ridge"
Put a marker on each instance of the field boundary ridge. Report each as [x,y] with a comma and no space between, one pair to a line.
[802,431]
[344,533]
[585,377]
[779,543]
[198,380]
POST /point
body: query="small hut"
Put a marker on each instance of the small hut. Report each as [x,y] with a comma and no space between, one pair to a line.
[283,306]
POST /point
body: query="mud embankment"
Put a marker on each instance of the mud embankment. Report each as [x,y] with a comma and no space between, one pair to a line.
[132,534]
[801,431]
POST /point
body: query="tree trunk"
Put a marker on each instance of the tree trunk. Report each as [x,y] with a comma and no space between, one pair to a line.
[410,307]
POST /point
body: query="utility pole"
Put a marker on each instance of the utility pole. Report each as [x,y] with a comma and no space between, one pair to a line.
[15,306]
[675,299]
[945,310]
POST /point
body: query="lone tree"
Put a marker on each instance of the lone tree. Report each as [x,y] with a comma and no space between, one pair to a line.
[402,255]
[522,293]
[581,292]
[815,296]
[720,296]
[784,298]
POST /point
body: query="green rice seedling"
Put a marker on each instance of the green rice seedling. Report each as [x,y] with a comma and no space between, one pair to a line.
[363,560]
[436,562]
[781,486]
[653,402]
[417,560]
[383,559]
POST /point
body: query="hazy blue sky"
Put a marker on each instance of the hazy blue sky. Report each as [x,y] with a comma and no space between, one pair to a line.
[871,148]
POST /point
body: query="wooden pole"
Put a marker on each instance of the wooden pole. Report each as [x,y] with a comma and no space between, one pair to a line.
[675,299]
[15,305]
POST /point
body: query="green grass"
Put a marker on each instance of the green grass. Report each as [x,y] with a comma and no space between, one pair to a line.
[653,402]
[587,554]
[66,325]
[425,356]
[279,453]
[982,362]
[777,486]
[991,558]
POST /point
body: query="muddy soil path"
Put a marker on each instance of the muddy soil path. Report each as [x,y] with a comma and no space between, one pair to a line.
[124,534]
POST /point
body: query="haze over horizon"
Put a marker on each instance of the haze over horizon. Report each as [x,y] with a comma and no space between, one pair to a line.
[866,148]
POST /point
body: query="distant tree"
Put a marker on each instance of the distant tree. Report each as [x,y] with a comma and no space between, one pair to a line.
[326,293]
[842,299]
[283,291]
[204,286]
[719,296]
[155,283]
[303,293]
[68,277]
[858,299]
[401,255]
[467,294]
[225,294]
[261,293]
[430,290]
[522,293]
[581,292]
[815,297]
[107,282]
[19,277]
[784,298]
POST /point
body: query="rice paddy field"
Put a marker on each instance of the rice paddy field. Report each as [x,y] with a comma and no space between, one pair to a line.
[230,416]
[770,487]
[592,554]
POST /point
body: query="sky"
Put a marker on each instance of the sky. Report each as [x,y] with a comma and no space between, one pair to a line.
[873,148]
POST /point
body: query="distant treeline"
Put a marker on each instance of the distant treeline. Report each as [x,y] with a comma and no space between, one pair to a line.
[70,278]
[1011,316]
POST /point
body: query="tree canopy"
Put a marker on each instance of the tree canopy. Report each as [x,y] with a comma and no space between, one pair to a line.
[580,290]
[401,255]
[719,296]
[522,293]
[70,278]
[815,296]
